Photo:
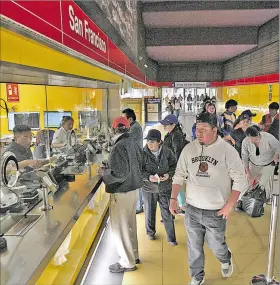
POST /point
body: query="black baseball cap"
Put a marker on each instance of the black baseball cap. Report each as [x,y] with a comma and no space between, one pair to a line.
[249,113]
[154,135]
[205,117]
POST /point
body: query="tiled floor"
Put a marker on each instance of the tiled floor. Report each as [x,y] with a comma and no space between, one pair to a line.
[164,264]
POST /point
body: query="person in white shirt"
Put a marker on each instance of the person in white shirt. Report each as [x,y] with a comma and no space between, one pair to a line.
[62,136]
[215,178]
[260,154]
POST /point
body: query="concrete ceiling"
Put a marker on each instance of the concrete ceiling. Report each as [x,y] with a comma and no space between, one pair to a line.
[180,31]
[231,18]
[196,52]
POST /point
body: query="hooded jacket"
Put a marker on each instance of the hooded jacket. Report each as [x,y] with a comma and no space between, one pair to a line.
[125,164]
[165,163]
[136,133]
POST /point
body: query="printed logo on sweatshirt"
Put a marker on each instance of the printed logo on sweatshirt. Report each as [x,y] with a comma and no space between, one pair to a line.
[203,167]
[202,170]
[205,158]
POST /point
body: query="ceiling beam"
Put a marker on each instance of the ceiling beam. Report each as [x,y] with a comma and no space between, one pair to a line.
[201,36]
[167,6]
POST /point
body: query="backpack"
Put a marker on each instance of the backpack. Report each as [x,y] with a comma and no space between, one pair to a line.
[181,127]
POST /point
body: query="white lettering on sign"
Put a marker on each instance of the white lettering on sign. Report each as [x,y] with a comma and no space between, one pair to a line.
[75,23]
[191,84]
[85,31]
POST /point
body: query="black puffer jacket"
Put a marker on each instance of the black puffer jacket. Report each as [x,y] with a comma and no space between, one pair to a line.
[175,141]
[125,165]
[165,163]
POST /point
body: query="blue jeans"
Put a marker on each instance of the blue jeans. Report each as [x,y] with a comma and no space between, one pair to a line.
[181,198]
[140,202]
[204,225]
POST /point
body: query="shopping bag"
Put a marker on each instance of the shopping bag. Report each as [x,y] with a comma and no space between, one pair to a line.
[253,201]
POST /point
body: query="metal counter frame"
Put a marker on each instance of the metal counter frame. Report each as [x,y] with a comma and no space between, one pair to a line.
[28,257]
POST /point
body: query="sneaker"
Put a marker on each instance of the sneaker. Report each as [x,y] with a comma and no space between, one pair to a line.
[137,261]
[227,268]
[117,268]
[173,243]
[151,237]
[197,282]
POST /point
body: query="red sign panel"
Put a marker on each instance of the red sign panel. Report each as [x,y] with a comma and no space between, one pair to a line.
[81,34]
[12,92]
[66,23]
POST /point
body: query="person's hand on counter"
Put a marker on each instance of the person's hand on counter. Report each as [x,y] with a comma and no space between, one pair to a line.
[31,163]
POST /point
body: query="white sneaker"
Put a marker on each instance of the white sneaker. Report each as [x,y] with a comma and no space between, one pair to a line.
[197,282]
[227,268]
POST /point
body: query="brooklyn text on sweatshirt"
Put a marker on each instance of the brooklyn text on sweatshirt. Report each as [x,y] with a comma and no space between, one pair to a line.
[210,171]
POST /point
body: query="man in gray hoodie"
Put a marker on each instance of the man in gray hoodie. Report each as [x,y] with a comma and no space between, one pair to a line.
[215,178]
[136,134]
[122,177]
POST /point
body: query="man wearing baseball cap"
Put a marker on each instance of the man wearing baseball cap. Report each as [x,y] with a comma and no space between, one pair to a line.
[215,178]
[122,178]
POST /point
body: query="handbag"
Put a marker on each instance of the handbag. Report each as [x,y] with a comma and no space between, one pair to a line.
[253,201]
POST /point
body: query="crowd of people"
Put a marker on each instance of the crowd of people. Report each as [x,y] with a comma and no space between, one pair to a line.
[227,156]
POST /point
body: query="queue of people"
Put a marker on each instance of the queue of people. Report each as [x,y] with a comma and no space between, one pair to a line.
[217,168]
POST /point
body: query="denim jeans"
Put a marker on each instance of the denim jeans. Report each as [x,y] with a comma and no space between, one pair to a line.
[140,202]
[204,225]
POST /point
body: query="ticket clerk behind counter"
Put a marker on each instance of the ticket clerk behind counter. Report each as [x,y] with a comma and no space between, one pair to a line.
[20,146]
[62,136]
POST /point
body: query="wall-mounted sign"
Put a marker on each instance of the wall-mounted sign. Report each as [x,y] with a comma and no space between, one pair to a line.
[191,84]
[12,92]
[153,109]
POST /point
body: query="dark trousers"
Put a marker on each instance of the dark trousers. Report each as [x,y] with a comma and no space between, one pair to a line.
[150,204]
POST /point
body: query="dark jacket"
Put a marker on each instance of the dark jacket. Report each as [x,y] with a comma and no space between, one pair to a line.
[136,133]
[273,129]
[165,163]
[125,165]
[175,141]
[238,135]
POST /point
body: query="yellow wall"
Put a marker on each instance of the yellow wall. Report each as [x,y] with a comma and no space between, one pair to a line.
[136,105]
[21,50]
[36,98]
[253,97]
